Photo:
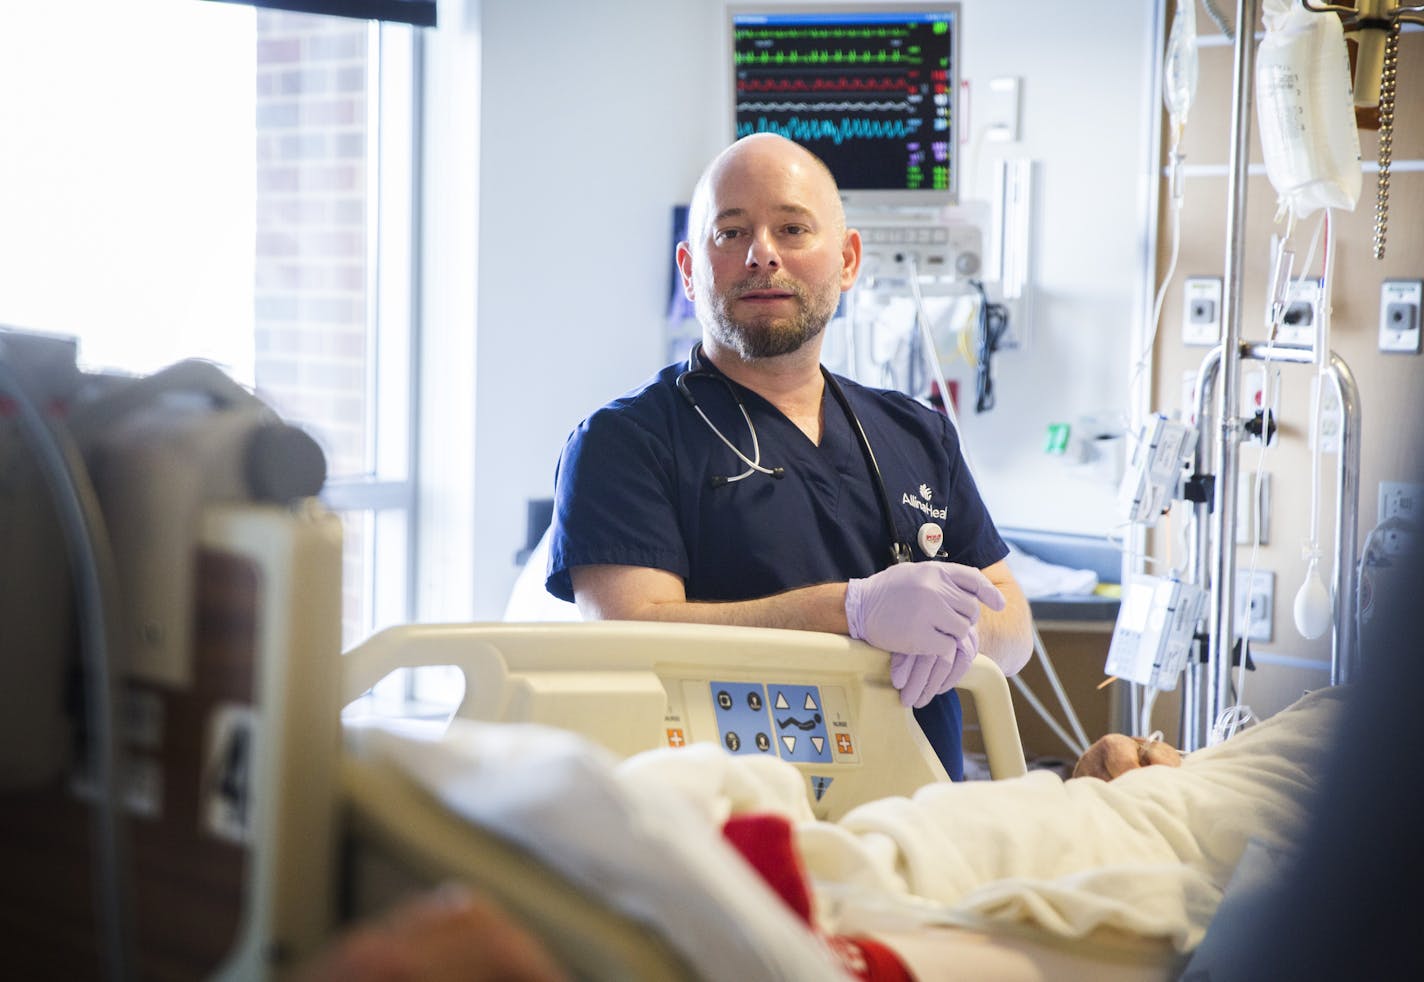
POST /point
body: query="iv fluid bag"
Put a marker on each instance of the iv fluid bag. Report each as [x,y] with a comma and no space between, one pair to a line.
[1179,75]
[1306,112]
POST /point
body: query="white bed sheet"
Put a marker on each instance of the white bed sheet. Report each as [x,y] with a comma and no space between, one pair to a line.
[1145,856]
[638,846]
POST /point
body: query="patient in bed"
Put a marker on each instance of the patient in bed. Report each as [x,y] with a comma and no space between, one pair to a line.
[1142,859]
[1147,854]
[1117,753]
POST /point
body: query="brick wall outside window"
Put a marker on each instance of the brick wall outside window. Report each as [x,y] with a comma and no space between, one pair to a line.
[311,278]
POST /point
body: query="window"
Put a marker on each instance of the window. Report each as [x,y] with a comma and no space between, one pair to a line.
[207,180]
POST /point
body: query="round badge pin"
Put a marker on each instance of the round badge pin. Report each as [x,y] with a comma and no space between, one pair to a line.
[931,538]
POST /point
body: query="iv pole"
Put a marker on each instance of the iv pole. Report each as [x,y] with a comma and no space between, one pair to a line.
[1222,628]
[1216,548]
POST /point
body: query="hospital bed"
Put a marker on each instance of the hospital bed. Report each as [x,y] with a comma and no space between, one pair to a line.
[823,702]
[569,857]
[249,825]
[264,830]
[1050,880]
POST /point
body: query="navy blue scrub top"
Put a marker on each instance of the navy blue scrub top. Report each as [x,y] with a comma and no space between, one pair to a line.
[634,488]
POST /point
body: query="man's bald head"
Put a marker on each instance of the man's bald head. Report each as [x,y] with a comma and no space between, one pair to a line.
[757,154]
[768,252]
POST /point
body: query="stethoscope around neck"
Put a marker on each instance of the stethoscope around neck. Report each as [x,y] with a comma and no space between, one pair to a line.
[696,368]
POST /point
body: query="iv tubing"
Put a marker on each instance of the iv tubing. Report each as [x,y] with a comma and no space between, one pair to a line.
[936,366]
[937,373]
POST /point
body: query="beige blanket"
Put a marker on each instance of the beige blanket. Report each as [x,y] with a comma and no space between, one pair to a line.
[1148,854]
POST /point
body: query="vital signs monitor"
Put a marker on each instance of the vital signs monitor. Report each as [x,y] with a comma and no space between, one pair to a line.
[870,89]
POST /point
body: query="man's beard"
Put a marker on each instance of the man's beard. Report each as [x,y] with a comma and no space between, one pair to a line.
[767,336]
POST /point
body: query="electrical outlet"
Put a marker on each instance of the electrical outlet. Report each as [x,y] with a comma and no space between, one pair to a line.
[1396,543]
[1400,303]
[1331,419]
[1201,312]
[1302,311]
[1255,604]
[1401,500]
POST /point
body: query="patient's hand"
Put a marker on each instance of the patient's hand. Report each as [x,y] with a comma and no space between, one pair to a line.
[446,936]
[1118,753]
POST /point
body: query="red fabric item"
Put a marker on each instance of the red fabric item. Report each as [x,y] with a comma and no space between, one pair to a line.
[868,959]
[766,842]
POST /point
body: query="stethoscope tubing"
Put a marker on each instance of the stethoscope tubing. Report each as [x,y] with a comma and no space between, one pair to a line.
[899,551]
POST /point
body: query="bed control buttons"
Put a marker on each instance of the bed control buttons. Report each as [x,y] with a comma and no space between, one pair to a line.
[796,711]
[742,721]
[790,721]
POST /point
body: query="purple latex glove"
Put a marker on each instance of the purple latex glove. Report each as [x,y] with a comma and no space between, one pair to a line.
[919,608]
[922,677]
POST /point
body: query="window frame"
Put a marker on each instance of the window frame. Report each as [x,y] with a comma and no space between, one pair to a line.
[388,490]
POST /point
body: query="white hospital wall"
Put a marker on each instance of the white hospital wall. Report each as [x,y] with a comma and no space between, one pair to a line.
[595,119]
[1083,127]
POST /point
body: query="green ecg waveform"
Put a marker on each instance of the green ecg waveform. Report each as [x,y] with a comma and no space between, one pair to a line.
[911,56]
[817,34]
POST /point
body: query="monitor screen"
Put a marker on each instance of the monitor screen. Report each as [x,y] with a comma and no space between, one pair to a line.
[869,89]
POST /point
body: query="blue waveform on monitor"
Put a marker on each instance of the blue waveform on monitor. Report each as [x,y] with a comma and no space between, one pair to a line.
[836,130]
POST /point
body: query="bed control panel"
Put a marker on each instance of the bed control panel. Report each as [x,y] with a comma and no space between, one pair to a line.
[787,720]
[798,722]
[820,702]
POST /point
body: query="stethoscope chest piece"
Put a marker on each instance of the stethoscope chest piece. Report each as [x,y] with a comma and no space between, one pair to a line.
[931,538]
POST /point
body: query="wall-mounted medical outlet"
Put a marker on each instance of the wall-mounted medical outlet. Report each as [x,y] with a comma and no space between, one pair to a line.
[1298,323]
[1400,304]
[1201,310]
[1255,603]
[1401,500]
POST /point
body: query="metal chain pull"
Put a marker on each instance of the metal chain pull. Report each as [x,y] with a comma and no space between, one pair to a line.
[1388,75]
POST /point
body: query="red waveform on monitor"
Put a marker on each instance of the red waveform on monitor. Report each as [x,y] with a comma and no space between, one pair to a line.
[843,83]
